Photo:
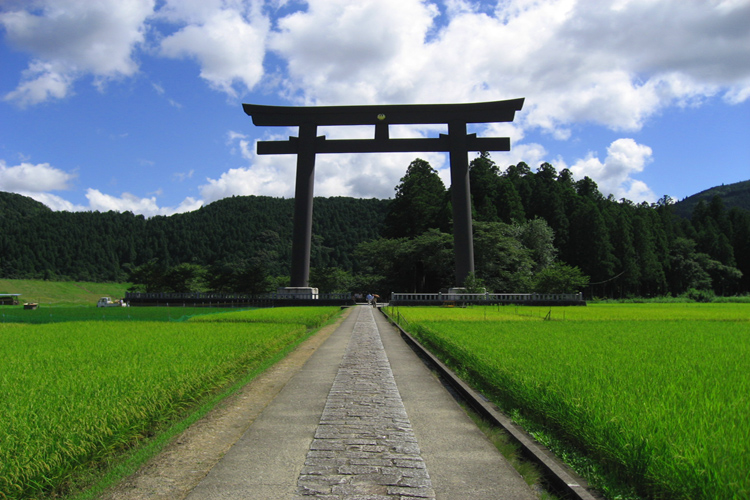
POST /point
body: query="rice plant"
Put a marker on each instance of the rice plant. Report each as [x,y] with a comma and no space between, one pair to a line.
[658,399]
[75,394]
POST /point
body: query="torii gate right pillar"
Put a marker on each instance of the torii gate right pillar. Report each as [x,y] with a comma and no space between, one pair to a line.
[463,239]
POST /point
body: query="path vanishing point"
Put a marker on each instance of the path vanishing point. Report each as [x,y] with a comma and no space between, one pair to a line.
[362,419]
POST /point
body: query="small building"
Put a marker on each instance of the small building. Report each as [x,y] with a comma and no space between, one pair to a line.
[9,299]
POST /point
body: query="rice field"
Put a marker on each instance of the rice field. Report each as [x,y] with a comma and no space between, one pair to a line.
[75,394]
[56,314]
[658,394]
[308,316]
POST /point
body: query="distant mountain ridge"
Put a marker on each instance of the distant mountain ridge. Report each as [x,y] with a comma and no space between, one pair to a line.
[21,205]
[36,242]
[733,195]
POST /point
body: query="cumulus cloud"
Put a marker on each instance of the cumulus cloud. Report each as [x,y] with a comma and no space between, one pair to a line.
[368,51]
[102,202]
[613,63]
[625,158]
[36,181]
[266,175]
[70,38]
[226,38]
[30,178]
[610,63]
[356,175]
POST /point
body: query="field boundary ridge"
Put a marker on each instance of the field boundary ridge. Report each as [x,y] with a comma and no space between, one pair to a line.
[559,475]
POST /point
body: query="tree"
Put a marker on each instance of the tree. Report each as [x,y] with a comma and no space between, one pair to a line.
[484,179]
[331,280]
[560,278]
[421,203]
[148,277]
[472,284]
[686,269]
[590,247]
[538,237]
[421,264]
[501,261]
[184,278]
[239,276]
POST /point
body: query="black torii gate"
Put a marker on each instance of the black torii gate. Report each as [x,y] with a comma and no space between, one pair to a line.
[457,143]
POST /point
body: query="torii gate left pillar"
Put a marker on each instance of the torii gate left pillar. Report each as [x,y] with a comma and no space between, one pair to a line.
[457,142]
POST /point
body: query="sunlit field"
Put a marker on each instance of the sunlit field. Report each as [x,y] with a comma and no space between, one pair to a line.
[658,393]
[57,314]
[77,393]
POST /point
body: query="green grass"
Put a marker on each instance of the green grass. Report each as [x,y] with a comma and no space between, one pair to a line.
[656,395]
[56,314]
[62,292]
[78,394]
[592,312]
[309,316]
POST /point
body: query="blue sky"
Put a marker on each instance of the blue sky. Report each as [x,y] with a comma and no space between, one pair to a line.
[137,104]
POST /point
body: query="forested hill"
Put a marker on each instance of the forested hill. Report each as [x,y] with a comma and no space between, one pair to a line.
[534,230]
[36,242]
[12,204]
[733,195]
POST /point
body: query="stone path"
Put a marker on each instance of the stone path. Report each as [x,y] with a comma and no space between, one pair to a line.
[364,446]
[347,426]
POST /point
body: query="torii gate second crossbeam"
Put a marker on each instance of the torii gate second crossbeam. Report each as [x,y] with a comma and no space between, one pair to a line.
[457,143]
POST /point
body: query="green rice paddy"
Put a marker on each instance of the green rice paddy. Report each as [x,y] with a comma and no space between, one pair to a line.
[75,394]
[657,394]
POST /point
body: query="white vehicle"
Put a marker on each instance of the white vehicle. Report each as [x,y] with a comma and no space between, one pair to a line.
[107,302]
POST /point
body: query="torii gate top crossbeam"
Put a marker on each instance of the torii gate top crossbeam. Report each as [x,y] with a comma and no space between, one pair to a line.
[382,117]
[394,114]
[456,142]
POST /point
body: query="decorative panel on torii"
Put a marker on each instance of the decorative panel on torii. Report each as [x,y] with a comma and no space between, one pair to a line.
[457,142]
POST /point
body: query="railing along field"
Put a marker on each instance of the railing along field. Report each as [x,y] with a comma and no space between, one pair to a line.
[450,298]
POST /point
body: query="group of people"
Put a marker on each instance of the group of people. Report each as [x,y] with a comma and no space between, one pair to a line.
[371,299]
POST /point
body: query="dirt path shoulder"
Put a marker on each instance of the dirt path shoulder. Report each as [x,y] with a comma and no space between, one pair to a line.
[185,462]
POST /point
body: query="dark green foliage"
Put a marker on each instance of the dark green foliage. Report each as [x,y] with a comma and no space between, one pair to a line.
[250,233]
[560,278]
[501,261]
[421,264]
[421,203]
[732,195]
[531,230]
[331,280]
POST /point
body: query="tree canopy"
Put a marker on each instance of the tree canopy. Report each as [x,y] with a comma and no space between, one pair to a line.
[533,231]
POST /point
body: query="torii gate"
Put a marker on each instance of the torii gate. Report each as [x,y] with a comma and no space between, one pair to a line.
[457,143]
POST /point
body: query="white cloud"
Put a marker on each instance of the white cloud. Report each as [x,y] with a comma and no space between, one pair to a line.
[182,176]
[40,82]
[55,202]
[268,176]
[356,175]
[69,38]
[369,175]
[614,64]
[227,39]
[625,158]
[101,202]
[340,51]
[29,178]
